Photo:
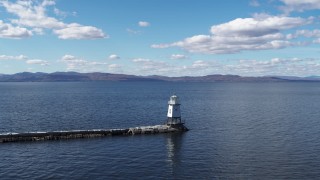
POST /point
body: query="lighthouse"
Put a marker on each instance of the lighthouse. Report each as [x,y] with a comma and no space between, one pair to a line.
[174,113]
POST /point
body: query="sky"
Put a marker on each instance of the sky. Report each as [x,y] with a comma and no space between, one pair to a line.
[161,37]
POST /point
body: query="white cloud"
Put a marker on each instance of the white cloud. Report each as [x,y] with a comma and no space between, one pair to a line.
[73,62]
[38,31]
[317,41]
[313,34]
[48,3]
[33,14]
[258,33]
[162,45]
[143,24]
[156,67]
[148,66]
[141,60]
[81,65]
[77,31]
[58,12]
[115,68]
[258,26]
[274,66]
[37,61]
[131,31]
[308,33]
[68,57]
[97,63]
[225,45]
[200,64]
[25,59]
[63,14]
[6,57]
[199,68]
[244,67]
[114,57]
[254,3]
[300,5]
[9,31]
[178,56]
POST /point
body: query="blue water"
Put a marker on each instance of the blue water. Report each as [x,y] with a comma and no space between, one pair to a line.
[238,130]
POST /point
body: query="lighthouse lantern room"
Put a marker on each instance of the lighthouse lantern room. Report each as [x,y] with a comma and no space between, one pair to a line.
[174,113]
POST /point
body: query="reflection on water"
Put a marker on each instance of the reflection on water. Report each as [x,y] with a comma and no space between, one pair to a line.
[174,143]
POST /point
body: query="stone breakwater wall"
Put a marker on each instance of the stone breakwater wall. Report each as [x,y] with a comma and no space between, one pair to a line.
[77,134]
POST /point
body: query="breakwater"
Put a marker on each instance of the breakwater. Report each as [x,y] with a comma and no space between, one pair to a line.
[77,134]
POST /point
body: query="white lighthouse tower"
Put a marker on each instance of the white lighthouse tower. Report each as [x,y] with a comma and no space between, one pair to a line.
[174,113]
[173,124]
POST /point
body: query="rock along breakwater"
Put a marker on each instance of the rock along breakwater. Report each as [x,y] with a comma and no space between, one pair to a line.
[77,134]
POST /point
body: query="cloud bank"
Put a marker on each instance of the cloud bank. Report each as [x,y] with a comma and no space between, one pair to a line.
[8,57]
[37,61]
[178,56]
[260,32]
[74,63]
[32,16]
[299,5]
[244,67]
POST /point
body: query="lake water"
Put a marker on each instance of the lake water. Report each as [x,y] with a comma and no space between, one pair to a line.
[238,130]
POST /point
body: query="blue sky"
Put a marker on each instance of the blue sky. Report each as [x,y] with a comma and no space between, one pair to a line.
[161,37]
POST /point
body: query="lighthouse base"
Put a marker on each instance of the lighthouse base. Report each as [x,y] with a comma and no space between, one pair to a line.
[179,126]
[158,129]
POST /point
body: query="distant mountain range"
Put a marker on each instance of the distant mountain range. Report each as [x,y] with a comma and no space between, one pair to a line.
[75,76]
